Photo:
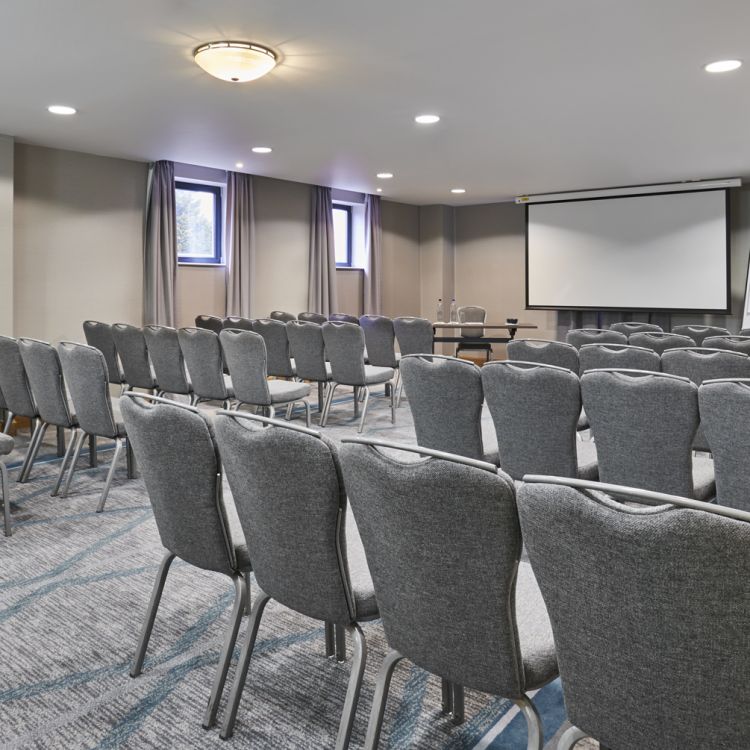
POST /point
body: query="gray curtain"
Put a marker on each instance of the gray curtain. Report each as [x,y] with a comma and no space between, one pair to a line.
[373,301]
[160,247]
[240,243]
[321,291]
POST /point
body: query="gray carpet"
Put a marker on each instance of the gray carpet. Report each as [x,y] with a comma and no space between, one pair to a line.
[73,590]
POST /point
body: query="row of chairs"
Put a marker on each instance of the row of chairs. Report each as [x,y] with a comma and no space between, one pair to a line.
[614,334]
[419,569]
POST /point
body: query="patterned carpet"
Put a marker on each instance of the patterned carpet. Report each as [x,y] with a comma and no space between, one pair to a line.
[73,590]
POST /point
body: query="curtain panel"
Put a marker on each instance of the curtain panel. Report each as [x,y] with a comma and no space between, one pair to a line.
[373,296]
[240,243]
[321,292]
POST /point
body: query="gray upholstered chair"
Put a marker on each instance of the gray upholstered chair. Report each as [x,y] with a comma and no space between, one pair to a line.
[476,620]
[245,355]
[414,335]
[699,364]
[305,554]
[180,465]
[380,343]
[280,364]
[343,318]
[473,314]
[312,317]
[309,353]
[6,447]
[660,342]
[728,343]
[656,606]
[535,409]
[577,337]
[133,352]
[166,356]
[19,399]
[725,418]
[242,324]
[700,333]
[645,423]
[209,322]
[545,352]
[45,378]
[445,396]
[205,365]
[85,372]
[744,332]
[630,326]
[345,346]
[619,356]
[99,335]
[282,316]
[7,417]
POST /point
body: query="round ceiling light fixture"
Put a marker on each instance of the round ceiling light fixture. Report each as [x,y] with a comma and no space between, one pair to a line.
[384,175]
[458,191]
[237,62]
[262,149]
[427,119]
[61,109]
[722,66]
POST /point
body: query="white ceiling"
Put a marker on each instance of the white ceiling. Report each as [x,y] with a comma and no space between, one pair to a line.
[537,96]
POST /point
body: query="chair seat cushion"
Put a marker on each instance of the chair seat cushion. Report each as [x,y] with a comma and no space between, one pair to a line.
[287,390]
[588,468]
[534,630]
[375,374]
[704,482]
[359,573]
[6,444]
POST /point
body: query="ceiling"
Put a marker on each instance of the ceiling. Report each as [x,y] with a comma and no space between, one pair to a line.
[534,97]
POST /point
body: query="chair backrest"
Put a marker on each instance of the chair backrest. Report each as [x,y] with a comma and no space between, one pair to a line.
[644,423]
[282,316]
[725,418]
[655,606]
[99,335]
[414,335]
[178,460]
[209,322]
[304,513]
[345,347]
[380,340]
[277,346]
[660,342]
[307,347]
[13,380]
[245,355]
[166,356]
[312,317]
[472,314]
[85,372]
[131,346]
[631,326]
[343,318]
[535,409]
[242,324]
[544,352]
[577,337]
[699,364]
[700,333]
[445,396]
[728,343]
[45,377]
[618,356]
[419,522]
[205,366]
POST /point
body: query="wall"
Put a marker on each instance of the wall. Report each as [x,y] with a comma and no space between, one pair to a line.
[400,243]
[6,235]
[78,236]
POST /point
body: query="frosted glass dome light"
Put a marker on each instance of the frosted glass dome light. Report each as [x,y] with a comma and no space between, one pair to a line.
[237,62]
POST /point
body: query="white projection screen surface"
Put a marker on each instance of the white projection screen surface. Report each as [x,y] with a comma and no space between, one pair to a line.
[664,251]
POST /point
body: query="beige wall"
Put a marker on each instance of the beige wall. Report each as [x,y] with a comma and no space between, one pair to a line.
[6,235]
[78,226]
[200,290]
[400,244]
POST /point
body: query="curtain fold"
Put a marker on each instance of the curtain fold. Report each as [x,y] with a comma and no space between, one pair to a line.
[373,296]
[321,290]
[240,243]
[160,247]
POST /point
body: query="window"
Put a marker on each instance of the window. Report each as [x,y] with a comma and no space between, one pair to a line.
[342,234]
[198,214]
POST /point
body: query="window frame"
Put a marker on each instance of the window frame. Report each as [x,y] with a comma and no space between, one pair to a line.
[349,234]
[218,257]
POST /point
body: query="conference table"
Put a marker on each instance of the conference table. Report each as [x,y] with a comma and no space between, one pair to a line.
[511,328]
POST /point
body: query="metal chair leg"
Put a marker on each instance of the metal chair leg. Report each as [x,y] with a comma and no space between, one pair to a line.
[329,399]
[289,408]
[60,441]
[571,735]
[8,421]
[240,674]
[66,458]
[447,690]
[153,606]
[93,455]
[248,594]
[330,647]
[364,409]
[393,403]
[533,723]
[340,637]
[31,453]
[321,396]
[356,401]
[110,474]
[76,453]
[238,610]
[6,498]
[355,685]
[382,685]
[130,458]
[271,412]
[457,704]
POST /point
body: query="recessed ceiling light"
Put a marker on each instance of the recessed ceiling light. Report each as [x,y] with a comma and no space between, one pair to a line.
[385,175]
[458,191]
[379,190]
[262,149]
[237,62]
[427,119]
[239,165]
[61,109]
[722,66]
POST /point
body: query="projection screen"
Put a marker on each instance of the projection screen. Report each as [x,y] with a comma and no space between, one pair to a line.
[667,251]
